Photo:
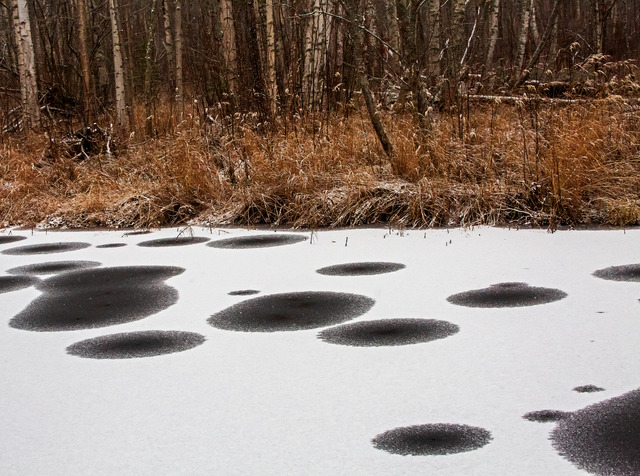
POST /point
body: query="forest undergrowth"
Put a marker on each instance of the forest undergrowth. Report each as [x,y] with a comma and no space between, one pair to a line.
[525,163]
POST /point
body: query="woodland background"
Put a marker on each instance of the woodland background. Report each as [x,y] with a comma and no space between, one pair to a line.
[319,112]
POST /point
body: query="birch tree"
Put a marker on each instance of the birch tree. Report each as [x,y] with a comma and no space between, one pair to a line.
[314,48]
[549,31]
[168,44]
[26,64]
[493,34]
[272,86]
[121,107]
[525,19]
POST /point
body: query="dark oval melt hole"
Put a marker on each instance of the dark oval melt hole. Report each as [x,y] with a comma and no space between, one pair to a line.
[388,332]
[83,299]
[257,241]
[432,439]
[46,248]
[629,272]
[131,345]
[179,241]
[6,239]
[291,311]
[507,295]
[53,267]
[361,269]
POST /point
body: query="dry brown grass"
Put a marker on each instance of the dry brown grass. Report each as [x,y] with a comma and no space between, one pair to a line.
[525,163]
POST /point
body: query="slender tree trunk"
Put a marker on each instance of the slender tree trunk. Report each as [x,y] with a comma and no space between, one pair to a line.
[126,39]
[178,45]
[309,60]
[525,20]
[121,106]
[434,36]
[548,32]
[314,55]
[493,35]
[82,14]
[598,20]
[535,34]
[147,69]
[553,47]
[26,65]
[229,45]
[168,45]
[272,86]
[465,55]
[457,46]
[374,117]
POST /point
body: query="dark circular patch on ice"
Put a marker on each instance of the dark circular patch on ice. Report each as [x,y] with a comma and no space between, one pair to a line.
[6,239]
[243,292]
[545,416]
[361,269]
[629,272]
[98,297]
[46,248]
[53,267]
[588,389]
[507,295]
[15,283]
[112,245]
[432,439]
[604,438]
[178,241]
[291,312]
[388,332]
[257,241]
[130,345]
[136,233]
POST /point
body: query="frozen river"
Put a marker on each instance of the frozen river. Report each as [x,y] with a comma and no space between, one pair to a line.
[349,352]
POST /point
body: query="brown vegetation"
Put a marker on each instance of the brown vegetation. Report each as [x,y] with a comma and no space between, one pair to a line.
[526,162]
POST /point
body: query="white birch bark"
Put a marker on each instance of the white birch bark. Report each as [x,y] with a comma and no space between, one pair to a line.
[309,33]
[457,20]
[168,43]
[525,20]
[493,34]
[121,108]
[271,59]
[314,55]
[26,64]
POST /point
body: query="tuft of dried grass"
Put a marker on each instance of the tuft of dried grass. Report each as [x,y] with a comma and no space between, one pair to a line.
[525,163]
